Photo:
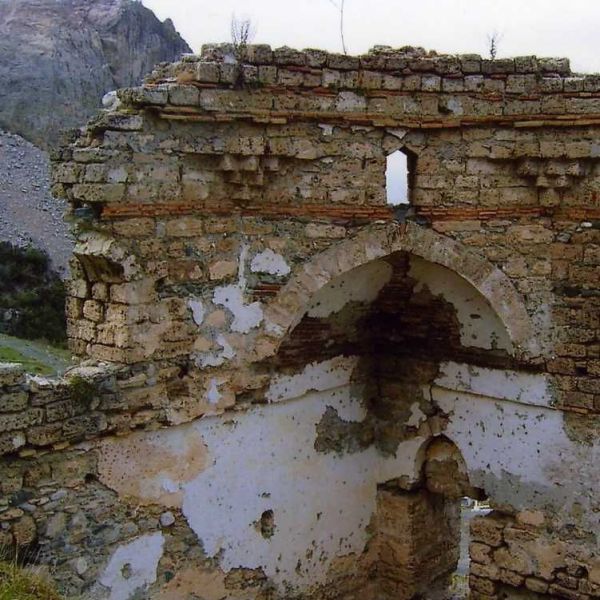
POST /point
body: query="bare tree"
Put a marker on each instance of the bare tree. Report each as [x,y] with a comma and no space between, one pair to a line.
[340,5]
[242,33]
[494,40]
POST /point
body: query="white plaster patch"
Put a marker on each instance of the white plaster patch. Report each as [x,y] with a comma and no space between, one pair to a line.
[213,396]
[361,284]
[264,459]
[197,309]
[245,316]
[271,263]
[480,326]
[516,386]
[133,566]
[218,358]
[521,454]
[417,416]
[405,463]
[322,376]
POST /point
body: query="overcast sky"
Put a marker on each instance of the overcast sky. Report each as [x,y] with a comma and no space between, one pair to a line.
[543,27]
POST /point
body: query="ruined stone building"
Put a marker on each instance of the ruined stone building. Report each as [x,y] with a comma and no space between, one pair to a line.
[289,382]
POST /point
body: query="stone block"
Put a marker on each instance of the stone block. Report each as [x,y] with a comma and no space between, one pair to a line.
[498,66]
[343,62]
[11,374]
[184,95]
[134,292]
[259,54]
[44,435]
[11,442]
[487,530]
[288,56]
[207,72]
[267,75]
[21,420]
[13,401]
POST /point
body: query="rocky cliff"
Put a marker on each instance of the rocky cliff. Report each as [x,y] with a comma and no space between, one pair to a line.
[59,57]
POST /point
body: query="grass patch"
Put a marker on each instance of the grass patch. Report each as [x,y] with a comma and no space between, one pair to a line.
[17,583]
[31,365]
[38,357]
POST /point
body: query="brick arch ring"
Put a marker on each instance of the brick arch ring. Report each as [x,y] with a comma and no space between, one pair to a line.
[379,240]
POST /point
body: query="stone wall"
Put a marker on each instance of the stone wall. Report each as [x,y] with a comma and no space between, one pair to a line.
[278,361]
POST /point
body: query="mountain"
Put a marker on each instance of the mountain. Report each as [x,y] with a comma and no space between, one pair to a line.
[59,57]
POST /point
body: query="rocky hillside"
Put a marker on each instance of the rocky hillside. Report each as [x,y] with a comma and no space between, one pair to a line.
[59,57]
[29,215]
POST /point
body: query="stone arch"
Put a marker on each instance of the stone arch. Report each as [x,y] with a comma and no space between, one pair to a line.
[382,239]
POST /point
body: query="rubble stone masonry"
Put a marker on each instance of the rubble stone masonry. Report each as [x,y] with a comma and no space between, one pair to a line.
[286,383]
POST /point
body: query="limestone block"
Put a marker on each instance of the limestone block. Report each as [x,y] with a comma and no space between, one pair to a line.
[289,56]
[121,122]
[229,73]
[67,172]
[93,310]
[560,66]
[249,73]
[184,95]
[536,585]
[21,420]
[133,292]
[484,586]
[470,63]
[10,442]
[289,78]
[154,95]
[526,64]
[95,192]
[13,401]
[11,374]
[184,227]
[431,83]
[480,553]
[502,65]
[44,435]
[267,75]
[84,426]
[343,62]
[514,559]
[207,72]
[222,269]
[486,530]
[259,54]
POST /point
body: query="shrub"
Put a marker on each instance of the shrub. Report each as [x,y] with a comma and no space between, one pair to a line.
[24,584]
[32,293]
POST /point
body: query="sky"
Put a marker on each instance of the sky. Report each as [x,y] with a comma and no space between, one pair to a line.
[542,27]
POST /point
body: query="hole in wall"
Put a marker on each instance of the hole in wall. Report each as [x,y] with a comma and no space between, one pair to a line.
[399,177]
[126,571]
[469,508]
[266,524]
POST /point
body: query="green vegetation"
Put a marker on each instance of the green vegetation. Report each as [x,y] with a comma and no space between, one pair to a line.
[24,584]
[31,365]
[81,390]
[32,295]
[37,357]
